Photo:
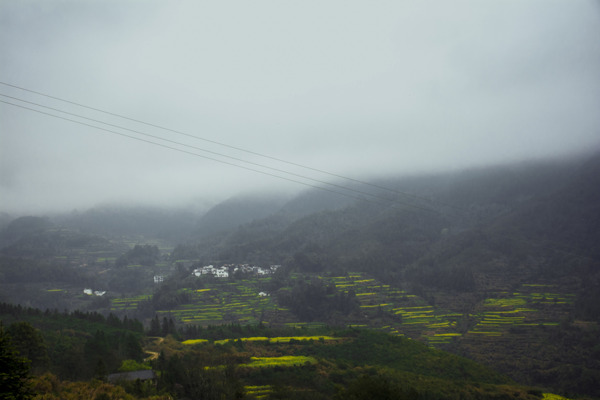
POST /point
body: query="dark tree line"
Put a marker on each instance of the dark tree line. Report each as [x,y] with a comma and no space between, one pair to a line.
[314,301]
[74,346]
[140,254]
[22,270]
[167,327]
[14,370]
[17,311]
[199,374]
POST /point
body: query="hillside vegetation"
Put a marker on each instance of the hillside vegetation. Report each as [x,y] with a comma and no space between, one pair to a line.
[499,265]
[226,363]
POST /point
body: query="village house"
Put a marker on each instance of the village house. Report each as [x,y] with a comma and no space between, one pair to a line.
[224,270]
[221,272]
[142,375]
[90,292]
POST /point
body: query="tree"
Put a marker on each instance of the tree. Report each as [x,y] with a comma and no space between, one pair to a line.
[130,347]
[376,387]
[29,342]
[14,371]
[154,327]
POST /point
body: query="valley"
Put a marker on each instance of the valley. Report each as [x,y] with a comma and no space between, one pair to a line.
[504,274]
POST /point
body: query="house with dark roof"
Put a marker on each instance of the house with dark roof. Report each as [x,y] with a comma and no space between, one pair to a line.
[142,375]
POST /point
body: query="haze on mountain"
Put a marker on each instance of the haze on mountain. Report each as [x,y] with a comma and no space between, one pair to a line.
[353,88]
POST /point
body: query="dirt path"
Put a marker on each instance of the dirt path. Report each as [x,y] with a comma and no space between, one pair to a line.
[153,354]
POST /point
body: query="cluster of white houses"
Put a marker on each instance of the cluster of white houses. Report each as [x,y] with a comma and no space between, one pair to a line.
[90,292]
[224,270]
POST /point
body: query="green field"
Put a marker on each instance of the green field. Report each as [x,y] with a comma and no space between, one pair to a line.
[225,302]
[281,361]
[389,309]
[127,303]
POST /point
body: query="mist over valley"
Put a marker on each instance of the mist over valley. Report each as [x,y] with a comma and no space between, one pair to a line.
[312,200]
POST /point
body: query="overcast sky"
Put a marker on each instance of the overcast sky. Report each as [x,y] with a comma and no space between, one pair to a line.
[356,88]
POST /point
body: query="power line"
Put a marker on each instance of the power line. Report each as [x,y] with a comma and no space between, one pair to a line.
[553,248]
[214,159]
[419,198]
[200,149]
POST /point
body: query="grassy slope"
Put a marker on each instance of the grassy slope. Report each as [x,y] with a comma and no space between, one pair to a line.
[405,364]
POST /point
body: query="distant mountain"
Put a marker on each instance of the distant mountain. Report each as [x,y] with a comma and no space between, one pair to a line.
[5,219]
[314,201]
[171,225]
[435,230]
[230,214]
[246,210]
[22,227]
[40,238]
[532,226]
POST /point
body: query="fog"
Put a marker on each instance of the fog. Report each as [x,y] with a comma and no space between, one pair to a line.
[355,88]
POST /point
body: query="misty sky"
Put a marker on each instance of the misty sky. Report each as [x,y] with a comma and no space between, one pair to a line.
[357,88]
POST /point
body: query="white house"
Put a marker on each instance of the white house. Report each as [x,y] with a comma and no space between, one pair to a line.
[222,273]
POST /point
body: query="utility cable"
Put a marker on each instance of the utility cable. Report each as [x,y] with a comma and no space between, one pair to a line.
[208,151]
[235,148]
[553,248]
[214,159]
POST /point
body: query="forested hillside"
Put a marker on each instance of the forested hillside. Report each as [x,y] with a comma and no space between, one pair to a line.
[457,240]
[453,221]
[51,355]
[497,264]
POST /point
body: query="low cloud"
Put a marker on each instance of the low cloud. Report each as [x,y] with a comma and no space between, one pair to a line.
[353,88]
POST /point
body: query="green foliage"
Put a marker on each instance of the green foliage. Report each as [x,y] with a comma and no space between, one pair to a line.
[376,348]
[30,343]
[168,296]
[188,377]
[379,387]
[167,327]
[22,270]
[315,301]
[76,343]
[360,364]
[132,365]
[140,254]
[50,387]
[14,370]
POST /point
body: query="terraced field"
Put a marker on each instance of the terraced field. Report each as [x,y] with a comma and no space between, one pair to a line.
[533,305]
[258,392]
[281,361]
[264,339]
[226,302]
[404,313]
[494,332]
[127,303]
[382,307]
